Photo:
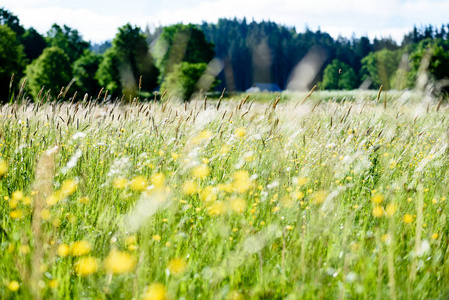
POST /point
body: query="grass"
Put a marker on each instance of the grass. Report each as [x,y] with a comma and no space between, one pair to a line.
[328,199]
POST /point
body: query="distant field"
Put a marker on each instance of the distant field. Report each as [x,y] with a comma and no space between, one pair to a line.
[290,199]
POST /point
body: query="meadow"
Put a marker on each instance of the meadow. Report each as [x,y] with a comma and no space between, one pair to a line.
[288,198]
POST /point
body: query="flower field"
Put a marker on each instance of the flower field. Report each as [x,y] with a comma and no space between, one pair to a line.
[234,199]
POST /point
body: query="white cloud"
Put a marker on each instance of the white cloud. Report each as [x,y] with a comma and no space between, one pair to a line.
[372,17]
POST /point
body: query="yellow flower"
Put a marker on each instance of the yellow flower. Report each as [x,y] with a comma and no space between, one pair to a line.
[84,200]
[224,149]
[86,266]
[119,183]
[53,284]
[156,237]
[435,236]
[45,214]
[24,249]
[156,291]
[377,198]
[174,156]
[53,199]
[80,248]
[131,240]
[391,209]
[177,266]
[189,188]
[289,227]
[27,200]
[158,180]
[216,209]
[139,184]
[16,214]
[208,194]
[408,219]
[17,195]
[241,182]
[63,250]
[238,205]
[13,203]
[13,286]
[378,211]
[118,262]
[240,132]
[68,187]
[301,180]
[297,195]
[3,168]
[201,171]
[318,197]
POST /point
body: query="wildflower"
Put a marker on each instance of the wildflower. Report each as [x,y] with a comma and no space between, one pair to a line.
[378,211]
[156,237]
[208,194]
[297,195]
[24,249]
[118,262]
[13,286]
[224,149]
[45,214]
[16,214]
[289,227]
[391,209]
[80,248]
[201,171]
[177,266]
[216,209]
[86,266]
[435,236]
[139,184]
[17,195]
[174,156]
[119,183]
[158,180]
[241,181]
[84,200]
[377,198]
[240,132]
[300,181]
[63,250]
[189,188]
[53,284]
[131,240]
[318,197]
[407,219]
[155,291]
[27,200]
[238,205]
[68,187]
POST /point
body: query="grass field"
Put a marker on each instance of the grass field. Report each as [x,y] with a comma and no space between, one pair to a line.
[248,200]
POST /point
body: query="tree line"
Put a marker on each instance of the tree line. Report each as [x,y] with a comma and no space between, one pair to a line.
[189,58]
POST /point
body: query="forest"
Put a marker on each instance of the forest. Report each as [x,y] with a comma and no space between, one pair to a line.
[233,54]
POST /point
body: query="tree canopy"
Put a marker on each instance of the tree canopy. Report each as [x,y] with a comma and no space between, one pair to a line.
[11,61]
[50,71]
[126,61]
[338,76]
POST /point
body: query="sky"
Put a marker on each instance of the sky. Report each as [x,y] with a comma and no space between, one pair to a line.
[98,20]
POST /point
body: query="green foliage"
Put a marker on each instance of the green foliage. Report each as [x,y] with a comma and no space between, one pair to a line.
[84,70]
[125,62]
[380,67]
[67,39]
[7,18]
[432,57]
[34,44]
[182,81]
[338,76]
[11,61]
[50,71]
[181,43]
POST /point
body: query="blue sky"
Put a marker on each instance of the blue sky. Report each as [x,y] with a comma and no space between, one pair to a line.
[98,20]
